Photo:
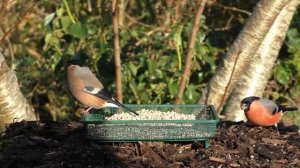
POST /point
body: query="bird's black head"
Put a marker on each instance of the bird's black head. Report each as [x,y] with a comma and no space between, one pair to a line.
[75,62]
[246,102]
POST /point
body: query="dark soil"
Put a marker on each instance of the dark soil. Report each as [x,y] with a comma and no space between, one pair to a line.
[53,144]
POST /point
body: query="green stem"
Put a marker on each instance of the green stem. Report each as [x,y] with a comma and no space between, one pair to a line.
[58,50]
[178,41]
[178,49]
[69,11]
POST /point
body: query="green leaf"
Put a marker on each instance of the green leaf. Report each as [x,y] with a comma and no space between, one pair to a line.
[282,75]
[92,29]
[78,30]
[159,73]
[65,22]
[293,41]
[172,87]
[134,33]
[48,19]
[124,36]
[60,12]
[55,59]
[132,68]
[47,40]
[209,60]
[190,93]
[151,66]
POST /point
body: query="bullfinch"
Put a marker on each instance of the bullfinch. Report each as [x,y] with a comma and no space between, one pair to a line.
[263,112]
[87,89]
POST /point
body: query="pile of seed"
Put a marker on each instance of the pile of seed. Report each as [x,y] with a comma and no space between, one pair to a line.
[146,114]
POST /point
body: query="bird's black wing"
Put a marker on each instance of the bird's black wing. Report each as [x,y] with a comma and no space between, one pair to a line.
[104,94]
[285,109]
[101,93]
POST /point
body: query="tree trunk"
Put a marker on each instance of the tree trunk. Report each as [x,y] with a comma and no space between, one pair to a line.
[13,105]
[255,78]
[242,51]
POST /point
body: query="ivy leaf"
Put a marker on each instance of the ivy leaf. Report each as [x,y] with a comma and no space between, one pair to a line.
[78,30]
[65,22]
[172,87]
[282,75]
[132,68]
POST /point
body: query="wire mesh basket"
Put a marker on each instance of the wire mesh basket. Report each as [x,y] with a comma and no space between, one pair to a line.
[201,128]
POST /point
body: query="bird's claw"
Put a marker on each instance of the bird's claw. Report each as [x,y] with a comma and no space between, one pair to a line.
[85,111]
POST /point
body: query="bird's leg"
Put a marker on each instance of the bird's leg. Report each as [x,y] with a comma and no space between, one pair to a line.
[86,111]
[278,133]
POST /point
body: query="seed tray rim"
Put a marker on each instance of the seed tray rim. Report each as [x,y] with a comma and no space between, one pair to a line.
[213,117]
[131,122]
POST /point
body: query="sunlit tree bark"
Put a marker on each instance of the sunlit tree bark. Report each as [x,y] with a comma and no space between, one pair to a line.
[13,105]
[255,78]
[244,47]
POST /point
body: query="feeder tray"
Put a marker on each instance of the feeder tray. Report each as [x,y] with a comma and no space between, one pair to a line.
[200,129]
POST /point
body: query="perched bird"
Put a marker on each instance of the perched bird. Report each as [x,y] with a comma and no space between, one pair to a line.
[263,112]
[87,89]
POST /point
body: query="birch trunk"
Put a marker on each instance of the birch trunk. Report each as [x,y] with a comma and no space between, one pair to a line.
[255,78]
[13,105]
[244,47]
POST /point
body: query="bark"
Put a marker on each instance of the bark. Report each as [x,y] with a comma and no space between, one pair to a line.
[254,80]
[13,105]
[121,13]
[244,47]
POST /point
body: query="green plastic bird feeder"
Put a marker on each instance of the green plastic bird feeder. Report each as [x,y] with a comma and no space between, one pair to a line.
[199,129]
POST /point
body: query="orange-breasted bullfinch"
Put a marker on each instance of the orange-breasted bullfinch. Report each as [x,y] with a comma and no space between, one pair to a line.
[87,89]
[263,112]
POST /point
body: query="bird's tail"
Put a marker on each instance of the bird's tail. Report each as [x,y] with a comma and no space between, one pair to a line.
[116,102]
[285,109]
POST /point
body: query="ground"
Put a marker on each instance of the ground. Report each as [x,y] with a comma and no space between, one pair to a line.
[53,144]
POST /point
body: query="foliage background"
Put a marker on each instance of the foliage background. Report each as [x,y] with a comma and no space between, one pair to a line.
[153,39]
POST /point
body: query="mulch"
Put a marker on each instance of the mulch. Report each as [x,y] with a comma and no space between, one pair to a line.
[58,144]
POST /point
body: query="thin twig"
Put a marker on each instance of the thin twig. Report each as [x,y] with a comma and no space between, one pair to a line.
[34,53]
[234,9]
[114,8]
[189,54]
[149,33]
[228,84]
[138,22]
[227,25]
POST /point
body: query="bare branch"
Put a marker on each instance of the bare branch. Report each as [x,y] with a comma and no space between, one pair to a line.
[189,55]
[114,8]
[234,9]
[228,84]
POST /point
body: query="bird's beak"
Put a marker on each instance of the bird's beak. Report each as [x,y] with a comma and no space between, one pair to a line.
[243,106]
